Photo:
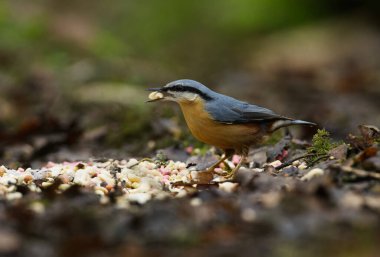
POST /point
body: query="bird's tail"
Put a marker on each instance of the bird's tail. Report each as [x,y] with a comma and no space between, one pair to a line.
[285,123]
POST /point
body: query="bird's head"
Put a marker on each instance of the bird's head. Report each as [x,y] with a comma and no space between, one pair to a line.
[181,91]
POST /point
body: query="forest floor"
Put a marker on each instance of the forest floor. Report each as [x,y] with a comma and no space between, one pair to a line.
[292,198]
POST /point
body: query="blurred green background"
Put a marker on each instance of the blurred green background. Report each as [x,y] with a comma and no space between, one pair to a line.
[79,68]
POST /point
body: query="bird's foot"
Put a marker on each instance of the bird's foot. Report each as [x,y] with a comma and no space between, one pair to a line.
[228,167]
[213,171]
[227,174]
[230,175]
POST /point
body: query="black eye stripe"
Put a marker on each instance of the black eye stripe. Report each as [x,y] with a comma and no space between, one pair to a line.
[179,88]
[182,88]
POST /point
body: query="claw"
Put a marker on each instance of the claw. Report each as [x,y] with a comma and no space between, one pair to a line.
[230,174]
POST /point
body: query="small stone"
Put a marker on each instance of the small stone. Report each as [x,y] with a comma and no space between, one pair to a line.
[3,170]
[82,177]
[270,199]
[131,163]
[37,207]
[50,165]
[46,184]
[257,169]
[296,163]
[64,178]
[302,166]
[352,200]
[11,188]
[63,187]
[372,163]
[248,215]
[339,152]
[181,193]
[80,166]
[195,202]
[3,190]
[121,203]
[102,189]
[236,159]
[133,178]
[8,180]
[275,164]
[373,202]
[201,177]
[34,188]
[228,187]
[140,198]
[165,171]
[135,185]
[144,186]
[13,196]
[99,192]
[155,173]
[317,172]
[150,165]
[290,171]
[181,166]
[104,176]
[28,178]
[259,157]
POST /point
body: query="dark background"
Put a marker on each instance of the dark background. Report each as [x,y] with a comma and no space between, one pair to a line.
[73,73]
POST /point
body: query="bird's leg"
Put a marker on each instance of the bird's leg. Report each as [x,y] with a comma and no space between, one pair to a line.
[211,169]
[225,156]
[227,165]
[232,173]
[243,156]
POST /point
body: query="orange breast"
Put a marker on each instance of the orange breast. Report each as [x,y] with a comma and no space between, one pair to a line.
[224,136]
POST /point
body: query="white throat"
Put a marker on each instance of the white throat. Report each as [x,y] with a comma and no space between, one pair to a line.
[184,96]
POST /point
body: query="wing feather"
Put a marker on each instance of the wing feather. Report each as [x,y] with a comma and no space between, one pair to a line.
[228,110]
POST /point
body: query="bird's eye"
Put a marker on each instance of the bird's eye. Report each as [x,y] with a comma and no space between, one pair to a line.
[178,88]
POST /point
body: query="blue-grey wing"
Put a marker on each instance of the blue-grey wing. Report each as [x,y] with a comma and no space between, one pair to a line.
[228,110]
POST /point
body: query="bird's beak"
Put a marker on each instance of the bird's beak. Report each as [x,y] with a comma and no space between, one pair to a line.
[159,91]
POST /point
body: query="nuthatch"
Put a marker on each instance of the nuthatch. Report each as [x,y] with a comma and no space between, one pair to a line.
[220,120]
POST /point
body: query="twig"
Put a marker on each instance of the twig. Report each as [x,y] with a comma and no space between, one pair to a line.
[317,160]
[140,161]
[182,183]
[285,164]
[211,183]
[358,172]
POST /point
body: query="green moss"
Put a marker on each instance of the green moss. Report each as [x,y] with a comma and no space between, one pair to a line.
[321,145]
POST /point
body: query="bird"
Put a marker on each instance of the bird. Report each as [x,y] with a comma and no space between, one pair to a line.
[222,121]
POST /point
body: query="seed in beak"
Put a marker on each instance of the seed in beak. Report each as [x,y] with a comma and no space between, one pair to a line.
[155,96]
